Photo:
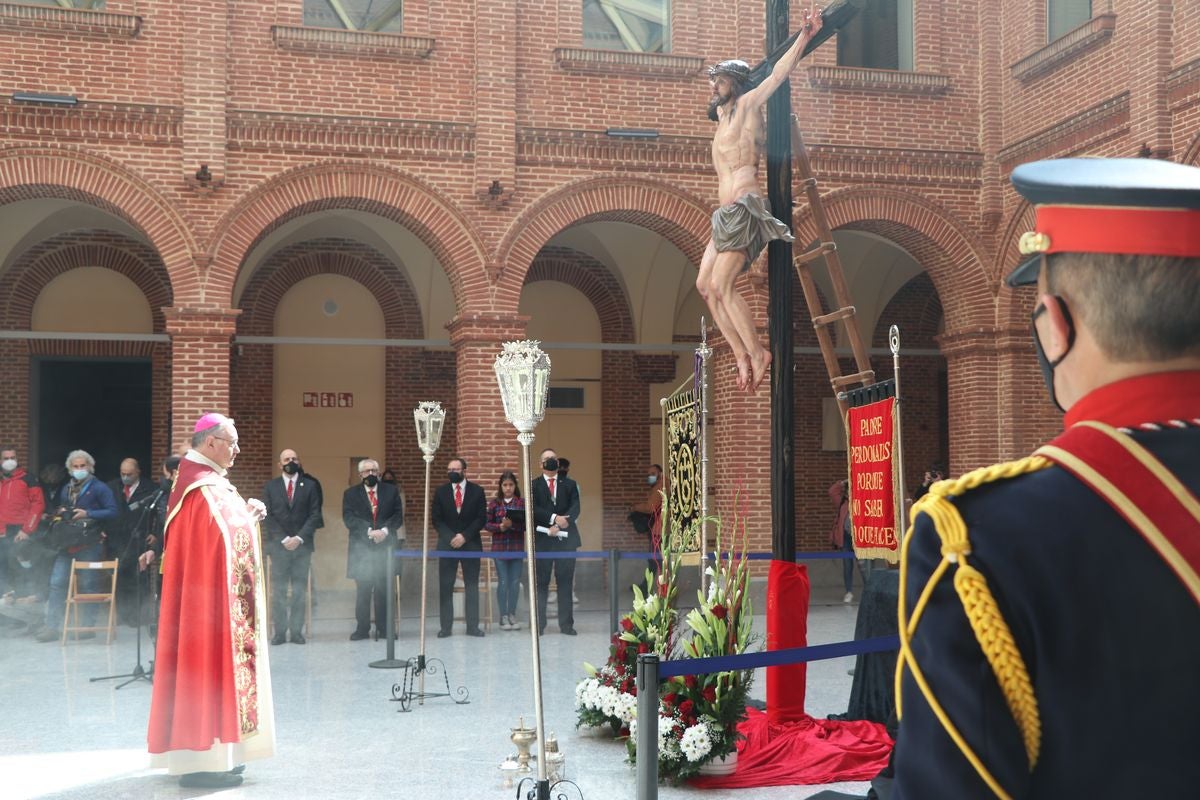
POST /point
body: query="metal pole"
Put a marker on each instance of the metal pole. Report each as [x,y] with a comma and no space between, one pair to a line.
[613,594]
[704,351]
[543,785]
[389,594]
[779,282]
[424,580]
[647,734]
[894,344]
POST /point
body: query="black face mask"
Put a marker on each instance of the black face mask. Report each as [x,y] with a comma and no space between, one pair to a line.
[291,468]
[454,477]
[550,465]
[1047,366]
[371,481]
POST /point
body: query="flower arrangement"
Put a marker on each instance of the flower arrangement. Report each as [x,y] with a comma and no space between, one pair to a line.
[699,714]
[608,696]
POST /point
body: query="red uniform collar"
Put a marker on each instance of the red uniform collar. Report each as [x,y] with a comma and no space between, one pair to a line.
[1127,403]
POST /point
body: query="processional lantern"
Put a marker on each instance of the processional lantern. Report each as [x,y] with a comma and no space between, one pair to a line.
[430,417]
[523,372]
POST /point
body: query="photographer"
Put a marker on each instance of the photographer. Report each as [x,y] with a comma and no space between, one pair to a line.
[82,498]
[932,475]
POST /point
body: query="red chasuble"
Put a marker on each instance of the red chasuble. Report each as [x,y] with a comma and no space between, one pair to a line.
[211,706]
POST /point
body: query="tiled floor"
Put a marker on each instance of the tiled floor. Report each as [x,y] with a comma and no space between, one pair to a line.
[339,735]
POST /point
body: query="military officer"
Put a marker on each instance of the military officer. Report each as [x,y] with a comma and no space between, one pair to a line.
[1050,607]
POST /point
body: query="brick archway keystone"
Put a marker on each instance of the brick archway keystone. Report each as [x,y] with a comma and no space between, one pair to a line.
[69,173]
[387,192]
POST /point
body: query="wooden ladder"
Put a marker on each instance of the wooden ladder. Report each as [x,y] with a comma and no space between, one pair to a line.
[845,312]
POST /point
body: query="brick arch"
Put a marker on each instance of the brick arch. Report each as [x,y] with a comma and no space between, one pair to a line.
[918,308]
[1014,303]
[941,244]
[33,269]
[594,280]
[28,173]
[677,216]
[383,191]
[286,267]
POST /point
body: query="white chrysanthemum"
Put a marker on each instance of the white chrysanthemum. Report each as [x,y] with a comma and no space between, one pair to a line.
[626,706]
[696,743]
[667,742]
[633,729]
[608,701]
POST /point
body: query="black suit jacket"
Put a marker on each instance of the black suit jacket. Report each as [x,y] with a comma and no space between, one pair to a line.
[448,520]
[366,560]
[129,517]
[565,503]
[300,518]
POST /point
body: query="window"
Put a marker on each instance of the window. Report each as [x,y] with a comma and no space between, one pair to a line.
[354,15]
[640,26]
[879,37]
[1064,16]
[89,5]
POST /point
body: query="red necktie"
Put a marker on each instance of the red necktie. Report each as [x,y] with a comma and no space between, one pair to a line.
[128,491]
[458,496]
[374,504]
[552,488]
[290,484]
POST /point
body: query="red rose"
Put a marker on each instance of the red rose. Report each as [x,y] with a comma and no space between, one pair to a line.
[627,624]
[685,709]
[643,647]
[719,611]
[689,681]
[669,699]
[709,694]
[662,589]
[621,652]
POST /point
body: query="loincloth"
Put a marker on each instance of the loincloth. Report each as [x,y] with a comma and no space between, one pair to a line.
[746,225]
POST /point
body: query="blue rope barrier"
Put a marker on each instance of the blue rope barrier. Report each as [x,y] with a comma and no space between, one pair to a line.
[775,658]
[596,554]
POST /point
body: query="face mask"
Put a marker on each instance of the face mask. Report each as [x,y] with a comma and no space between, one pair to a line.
[8,465]
[79,474]
[1047,366]
[291,468]
[651,480]
[371,481]
[550,465]
[454,477]
[128,480]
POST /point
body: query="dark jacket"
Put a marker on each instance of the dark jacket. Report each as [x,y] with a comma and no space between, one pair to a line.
[448,520]
[565,502]
[300,518]
[366,560]
[95,498]
[133,516]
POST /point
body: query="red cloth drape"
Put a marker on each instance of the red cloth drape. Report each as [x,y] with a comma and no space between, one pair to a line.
[806,751]
[787,626]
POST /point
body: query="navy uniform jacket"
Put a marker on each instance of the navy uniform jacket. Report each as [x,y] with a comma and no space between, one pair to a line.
[1109,634]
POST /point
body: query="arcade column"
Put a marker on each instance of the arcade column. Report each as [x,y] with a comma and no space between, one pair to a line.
[200,357]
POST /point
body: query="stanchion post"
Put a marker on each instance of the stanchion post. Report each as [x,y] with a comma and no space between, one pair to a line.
[390,662]
[613,594]
[647,732]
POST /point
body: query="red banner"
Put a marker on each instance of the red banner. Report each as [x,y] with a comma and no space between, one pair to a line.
[872,452]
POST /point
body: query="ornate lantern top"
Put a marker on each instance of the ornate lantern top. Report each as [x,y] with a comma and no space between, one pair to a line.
[429,416]
[523,372]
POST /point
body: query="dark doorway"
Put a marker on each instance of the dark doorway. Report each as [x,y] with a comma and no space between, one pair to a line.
[98,405]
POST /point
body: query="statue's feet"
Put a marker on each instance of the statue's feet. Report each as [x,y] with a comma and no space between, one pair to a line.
[743,373]
[760,364]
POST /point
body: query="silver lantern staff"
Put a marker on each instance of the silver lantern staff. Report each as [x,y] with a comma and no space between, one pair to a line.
[899,489]
[523,371]
[429,417]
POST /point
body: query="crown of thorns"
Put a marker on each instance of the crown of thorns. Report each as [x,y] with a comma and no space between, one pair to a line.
[734,68]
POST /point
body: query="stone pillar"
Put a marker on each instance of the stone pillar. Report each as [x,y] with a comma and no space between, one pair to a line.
[200,349]
[973,397]
[205,89]
[485,439]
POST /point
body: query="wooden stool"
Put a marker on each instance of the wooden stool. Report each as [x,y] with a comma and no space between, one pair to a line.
[75,599]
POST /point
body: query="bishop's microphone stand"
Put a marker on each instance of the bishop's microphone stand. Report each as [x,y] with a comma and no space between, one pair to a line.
[139,673]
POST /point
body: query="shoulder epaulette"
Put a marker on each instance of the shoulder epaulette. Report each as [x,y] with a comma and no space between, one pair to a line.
[992,632]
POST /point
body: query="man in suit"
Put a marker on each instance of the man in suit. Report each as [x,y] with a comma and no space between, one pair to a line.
[459,513]
[555,511]
[134,520]
[293,516]
[373,514]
